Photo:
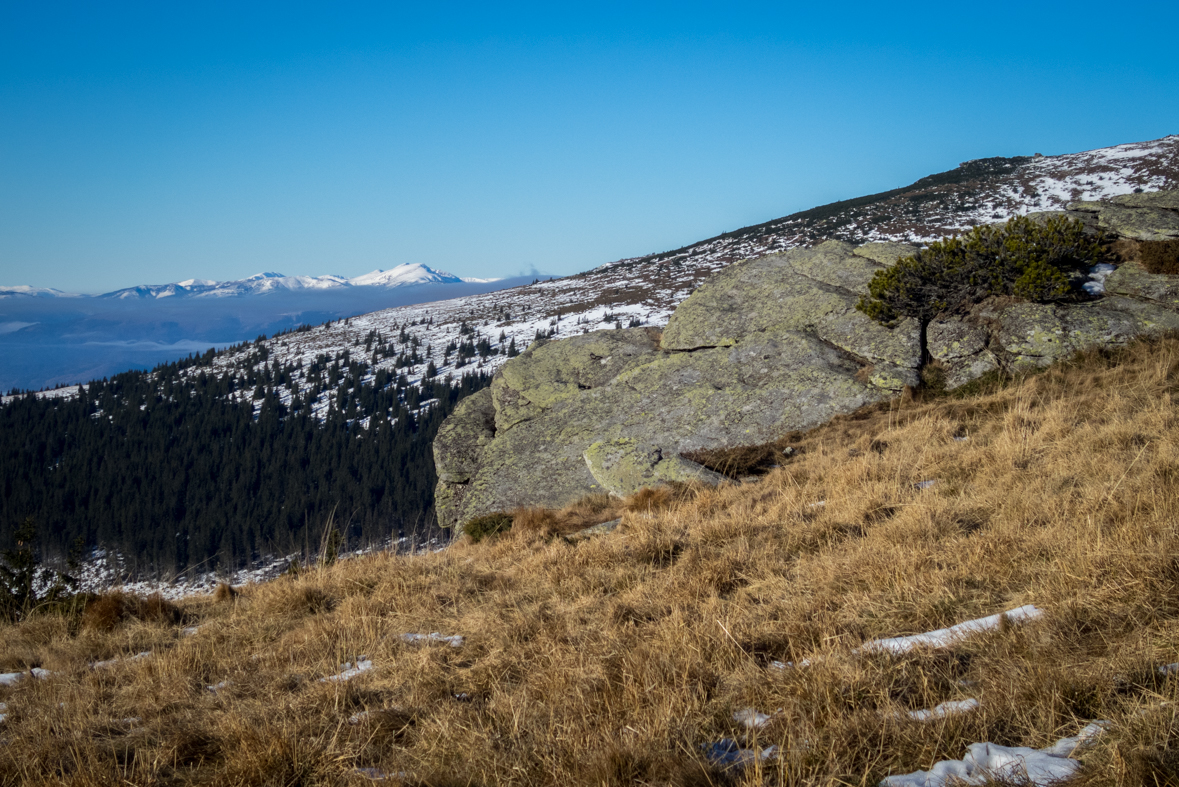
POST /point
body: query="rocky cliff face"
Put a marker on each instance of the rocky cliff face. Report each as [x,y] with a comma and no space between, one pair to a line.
[766,346]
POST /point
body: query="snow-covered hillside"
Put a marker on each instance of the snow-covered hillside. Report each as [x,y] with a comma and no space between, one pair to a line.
[477,332]
[645,290]
[977,192]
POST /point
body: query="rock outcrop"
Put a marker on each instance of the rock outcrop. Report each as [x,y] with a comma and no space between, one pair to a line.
[764,347]
[1128,301]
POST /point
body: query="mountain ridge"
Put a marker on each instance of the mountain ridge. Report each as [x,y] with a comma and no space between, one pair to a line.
[406,274]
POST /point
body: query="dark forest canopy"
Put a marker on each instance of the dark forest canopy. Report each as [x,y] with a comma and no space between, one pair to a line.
[183,466]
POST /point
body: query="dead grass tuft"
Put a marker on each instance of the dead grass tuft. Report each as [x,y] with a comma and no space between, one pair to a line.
[224,593]
[107,611]
[1159,256]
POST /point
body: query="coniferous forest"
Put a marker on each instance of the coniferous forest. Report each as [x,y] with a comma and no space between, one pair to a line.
[187,466]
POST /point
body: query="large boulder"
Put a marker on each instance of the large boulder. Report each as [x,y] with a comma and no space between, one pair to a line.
[1144,216]
[764,347]
[1034,335]
[808,290]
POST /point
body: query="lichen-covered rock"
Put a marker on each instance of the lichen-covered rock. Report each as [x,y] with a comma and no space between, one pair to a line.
[886,253]
[962,349]
[1149,199]
[807,290]
[624,466]
[552,371]
[1035,335]
[1140,223]
[671,402]
[1131,280]
[1143,216]
[463,436]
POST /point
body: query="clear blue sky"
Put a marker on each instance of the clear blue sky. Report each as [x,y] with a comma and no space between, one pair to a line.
[146,143]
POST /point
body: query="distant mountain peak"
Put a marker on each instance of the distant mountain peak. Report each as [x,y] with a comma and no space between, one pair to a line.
[403,275]
[25,291]
[406,273]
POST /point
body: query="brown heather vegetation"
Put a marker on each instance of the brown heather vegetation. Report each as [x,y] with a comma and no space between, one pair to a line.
[613,660]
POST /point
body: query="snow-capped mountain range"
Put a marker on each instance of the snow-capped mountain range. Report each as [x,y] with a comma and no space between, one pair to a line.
[260,283]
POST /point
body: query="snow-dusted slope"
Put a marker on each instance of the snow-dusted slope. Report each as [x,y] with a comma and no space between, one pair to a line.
[977,192]
[645,290]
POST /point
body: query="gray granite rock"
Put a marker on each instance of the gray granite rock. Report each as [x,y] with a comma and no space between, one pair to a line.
[886,253]
[663,404]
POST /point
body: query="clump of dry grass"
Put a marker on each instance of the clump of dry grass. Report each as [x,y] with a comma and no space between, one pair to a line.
[224,593]
[614,660]
[1160,256]
[106,611]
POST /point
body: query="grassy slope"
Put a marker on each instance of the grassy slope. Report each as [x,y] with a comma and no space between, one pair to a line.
[613,660]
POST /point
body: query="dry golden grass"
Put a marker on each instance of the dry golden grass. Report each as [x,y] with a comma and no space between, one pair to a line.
[613,660]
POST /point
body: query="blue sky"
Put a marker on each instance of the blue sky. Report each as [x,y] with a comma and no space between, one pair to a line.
[147,143]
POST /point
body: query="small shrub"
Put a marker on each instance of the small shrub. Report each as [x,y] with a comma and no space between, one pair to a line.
[541,521]
[1024,258]
[656,498]
[481,527]
[1160,256]
[587,511]
[157,609]
[21,573]
[312,599]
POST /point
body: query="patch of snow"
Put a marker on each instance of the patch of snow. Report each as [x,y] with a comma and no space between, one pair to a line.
[987,762]
[112,662]
[951,708]
[13,678]
[947,637]
[925,484]
[216,687]
[727,753]
[455,640]
[349,670]
[1169,669]
[1097,276]
[752,718]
